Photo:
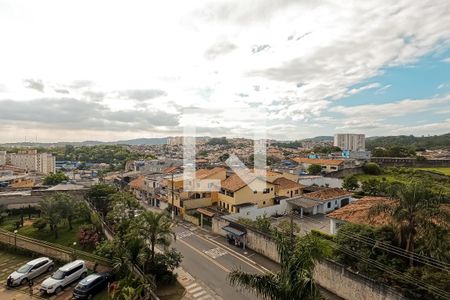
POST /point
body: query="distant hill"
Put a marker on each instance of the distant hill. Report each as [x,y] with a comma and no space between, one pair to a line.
[418,143]
[144,141]
[321,138]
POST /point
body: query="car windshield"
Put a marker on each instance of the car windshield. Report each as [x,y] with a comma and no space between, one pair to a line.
[58,275]
[25,268]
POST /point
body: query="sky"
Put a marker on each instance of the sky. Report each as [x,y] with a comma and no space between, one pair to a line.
[292,69]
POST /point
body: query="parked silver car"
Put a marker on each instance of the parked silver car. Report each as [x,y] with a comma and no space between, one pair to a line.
[30,270]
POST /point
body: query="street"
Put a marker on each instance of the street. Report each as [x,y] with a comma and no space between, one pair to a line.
[209,262]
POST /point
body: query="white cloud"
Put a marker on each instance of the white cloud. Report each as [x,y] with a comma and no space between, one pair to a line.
[291,59]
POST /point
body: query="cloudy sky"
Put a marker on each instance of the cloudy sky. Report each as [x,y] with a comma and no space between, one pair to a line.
[109,70]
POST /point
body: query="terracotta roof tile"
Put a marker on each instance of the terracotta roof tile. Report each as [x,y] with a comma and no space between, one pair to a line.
[358,212]
[284,183]
[327,194]
[137,183]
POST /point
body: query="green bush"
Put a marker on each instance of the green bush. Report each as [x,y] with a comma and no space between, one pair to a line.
[40,224]
[372,169]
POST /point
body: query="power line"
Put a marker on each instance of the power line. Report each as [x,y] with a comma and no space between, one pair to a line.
[399,251]
[407,278]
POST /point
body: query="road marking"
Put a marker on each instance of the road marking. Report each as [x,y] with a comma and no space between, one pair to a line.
[191,286]
[238,255]
[206,256]
[199,288]
[183,234]
[216,252]
[199,294]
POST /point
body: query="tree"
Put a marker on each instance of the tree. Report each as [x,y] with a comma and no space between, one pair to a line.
[156,228]
[416,211]
[67,207]
[314,169]
[99,194]
[350,183]
[51,213]
[372,169]
[56,178]
[295,279]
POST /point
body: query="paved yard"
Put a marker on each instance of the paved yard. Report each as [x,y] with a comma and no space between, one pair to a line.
[9,262]
[307,223]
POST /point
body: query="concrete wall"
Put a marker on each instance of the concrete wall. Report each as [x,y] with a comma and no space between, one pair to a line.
[321,181]
[19,200]
[345,172]
[252,212]
[349,285]
[328,274]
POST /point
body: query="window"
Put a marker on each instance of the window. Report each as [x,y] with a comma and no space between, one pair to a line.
[296,192]
[254,192]
[264,202]
[271,189]
[266,191]
[329,204]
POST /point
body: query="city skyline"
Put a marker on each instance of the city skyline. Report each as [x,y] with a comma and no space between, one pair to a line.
[296,69]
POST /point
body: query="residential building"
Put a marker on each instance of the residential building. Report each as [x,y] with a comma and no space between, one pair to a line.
[176,140]
[321,202]
[2,158]
[31,160]
[327,165]
[350,141]
[235,192]
[287,188]
[199,190]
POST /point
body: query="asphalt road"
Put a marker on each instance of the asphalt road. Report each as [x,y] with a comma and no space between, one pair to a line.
[210,263]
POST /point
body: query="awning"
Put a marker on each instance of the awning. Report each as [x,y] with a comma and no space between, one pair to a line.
[206,212]
[303,202]
[233,231]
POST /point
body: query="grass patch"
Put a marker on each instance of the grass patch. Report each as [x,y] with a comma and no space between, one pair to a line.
[66,237]
[445,171]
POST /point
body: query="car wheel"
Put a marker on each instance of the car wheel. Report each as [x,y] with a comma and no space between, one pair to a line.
[83,275]
[50,268]
[58,289]
[24,281]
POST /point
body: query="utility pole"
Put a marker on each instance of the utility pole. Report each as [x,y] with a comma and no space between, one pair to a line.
[173,207]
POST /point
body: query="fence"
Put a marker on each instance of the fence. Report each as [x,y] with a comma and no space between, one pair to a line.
[54,250]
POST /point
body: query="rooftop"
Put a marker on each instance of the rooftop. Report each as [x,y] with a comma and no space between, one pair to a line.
[358,211]
[284,183]
[327,194]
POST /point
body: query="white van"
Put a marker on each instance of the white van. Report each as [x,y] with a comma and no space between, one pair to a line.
[64,276]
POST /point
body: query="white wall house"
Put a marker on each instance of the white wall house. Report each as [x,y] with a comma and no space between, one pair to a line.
[320,202]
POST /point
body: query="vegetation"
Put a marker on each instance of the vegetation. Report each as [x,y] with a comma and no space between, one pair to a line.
[56,178]
[326,149]
[314,169]
[262,223]
[372,169]
[218,141]
[394,151]
[350,183]
[295,279]
[289,144]
[416,143]
[417,214]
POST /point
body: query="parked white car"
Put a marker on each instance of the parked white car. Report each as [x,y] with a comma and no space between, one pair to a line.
[30,270]
[64,276]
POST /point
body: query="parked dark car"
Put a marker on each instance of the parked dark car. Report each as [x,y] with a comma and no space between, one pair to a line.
[91,285]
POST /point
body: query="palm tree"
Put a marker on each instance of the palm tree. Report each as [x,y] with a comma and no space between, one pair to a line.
[416,210]
[68,208]
[295,279]
[156,228]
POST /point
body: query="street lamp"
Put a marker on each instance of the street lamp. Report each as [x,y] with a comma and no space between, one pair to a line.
[15,238]
[74,254]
